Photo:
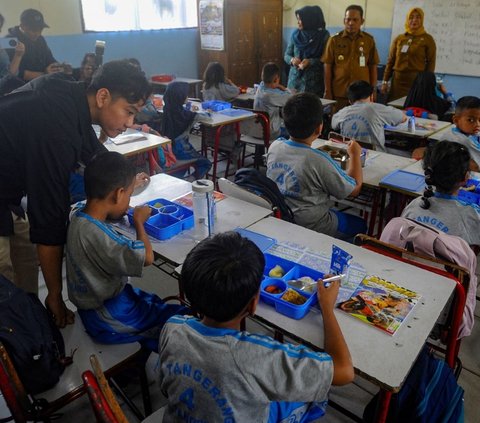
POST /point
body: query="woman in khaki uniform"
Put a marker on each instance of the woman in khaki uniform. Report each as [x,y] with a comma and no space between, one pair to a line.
[410,53]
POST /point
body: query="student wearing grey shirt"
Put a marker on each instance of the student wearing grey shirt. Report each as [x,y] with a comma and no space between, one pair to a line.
[271,96]
[216,86]
[364,120]
[446,167]
[212,371]
[308,177]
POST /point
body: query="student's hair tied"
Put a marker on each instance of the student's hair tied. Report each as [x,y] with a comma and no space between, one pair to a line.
[429,179]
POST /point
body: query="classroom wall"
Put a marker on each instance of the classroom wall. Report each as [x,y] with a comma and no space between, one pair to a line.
[175,51]
[171,51]
[378,16]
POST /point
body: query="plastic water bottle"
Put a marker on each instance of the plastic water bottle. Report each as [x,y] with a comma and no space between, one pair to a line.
[411,124]
[203,208]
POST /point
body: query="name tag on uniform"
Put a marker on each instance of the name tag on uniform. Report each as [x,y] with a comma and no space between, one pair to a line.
[405,48]
[362,61]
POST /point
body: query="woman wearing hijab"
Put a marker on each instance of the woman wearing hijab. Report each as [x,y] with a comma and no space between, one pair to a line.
[176,124]
[412,52]
[423,95]
[305,49]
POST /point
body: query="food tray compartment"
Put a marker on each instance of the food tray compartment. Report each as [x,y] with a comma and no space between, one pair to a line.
[340,155]
[269,297]
[293,310]
[167,219]
[272,261]
[299,271]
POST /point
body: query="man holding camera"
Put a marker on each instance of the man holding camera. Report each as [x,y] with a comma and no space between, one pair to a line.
[38,58]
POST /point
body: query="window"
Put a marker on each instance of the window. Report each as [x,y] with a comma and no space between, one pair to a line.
[130,15]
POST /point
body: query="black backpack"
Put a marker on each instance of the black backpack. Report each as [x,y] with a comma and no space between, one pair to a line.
[31,338]
[254,181]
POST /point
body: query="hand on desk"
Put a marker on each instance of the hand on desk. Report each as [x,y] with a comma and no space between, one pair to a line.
[61,315]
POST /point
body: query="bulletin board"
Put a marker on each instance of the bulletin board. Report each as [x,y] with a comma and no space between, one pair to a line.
[455,27]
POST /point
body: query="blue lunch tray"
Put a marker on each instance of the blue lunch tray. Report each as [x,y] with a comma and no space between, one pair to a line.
[405,180]
[292,271]
[167,219]
[216,105]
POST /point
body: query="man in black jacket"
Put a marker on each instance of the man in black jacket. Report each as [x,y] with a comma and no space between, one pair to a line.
[45,130]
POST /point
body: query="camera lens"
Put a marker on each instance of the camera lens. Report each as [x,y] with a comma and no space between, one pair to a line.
[12,43]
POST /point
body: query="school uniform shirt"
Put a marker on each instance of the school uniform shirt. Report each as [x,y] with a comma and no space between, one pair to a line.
[365,122]
[224,92]
[448,214]
[99,261]
[45,130]
[307,177]
[271,100]
[223,375]
[409,54]
[345,53]
[37,54]
[471,142]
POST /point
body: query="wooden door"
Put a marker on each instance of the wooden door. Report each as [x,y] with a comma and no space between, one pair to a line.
[242,60]
[269,37]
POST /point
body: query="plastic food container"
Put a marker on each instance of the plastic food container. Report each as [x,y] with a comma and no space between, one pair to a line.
[292,271]
[340,155]
[167,219]
[162,78]
[216,105]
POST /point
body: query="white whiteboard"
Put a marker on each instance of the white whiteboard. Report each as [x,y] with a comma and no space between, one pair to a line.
[455,27]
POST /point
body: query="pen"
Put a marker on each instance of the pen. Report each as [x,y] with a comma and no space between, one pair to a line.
[328,281]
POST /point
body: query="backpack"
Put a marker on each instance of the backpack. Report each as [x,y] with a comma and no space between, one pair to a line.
[256,182]
[430,395]
[33,341]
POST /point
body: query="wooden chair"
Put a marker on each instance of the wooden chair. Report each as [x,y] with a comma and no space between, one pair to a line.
[103,400]
[40,407]
[450,328]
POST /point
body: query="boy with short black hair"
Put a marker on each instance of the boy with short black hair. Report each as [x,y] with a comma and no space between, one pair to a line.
[467,128]
[228,375]
[307,177]
[365,120]
[270,97]
[100,261]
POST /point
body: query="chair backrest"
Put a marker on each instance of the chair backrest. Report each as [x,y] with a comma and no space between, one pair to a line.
[233,190]
[108,396]
[12,388]
[258,127]
[100,406]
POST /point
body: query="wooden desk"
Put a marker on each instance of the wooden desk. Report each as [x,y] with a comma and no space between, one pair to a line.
[195,84]
[136,147]
[384,360]
[231,213]
[398,103]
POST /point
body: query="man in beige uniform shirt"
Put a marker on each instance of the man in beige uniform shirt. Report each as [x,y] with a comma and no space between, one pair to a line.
[350,56]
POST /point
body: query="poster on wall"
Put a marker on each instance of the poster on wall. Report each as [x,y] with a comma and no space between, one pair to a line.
[211,24]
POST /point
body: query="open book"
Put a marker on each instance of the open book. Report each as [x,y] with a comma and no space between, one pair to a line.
[380,303]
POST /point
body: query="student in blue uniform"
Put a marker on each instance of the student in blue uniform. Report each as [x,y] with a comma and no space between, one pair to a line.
[211,371]
[446,168]
[100,261]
